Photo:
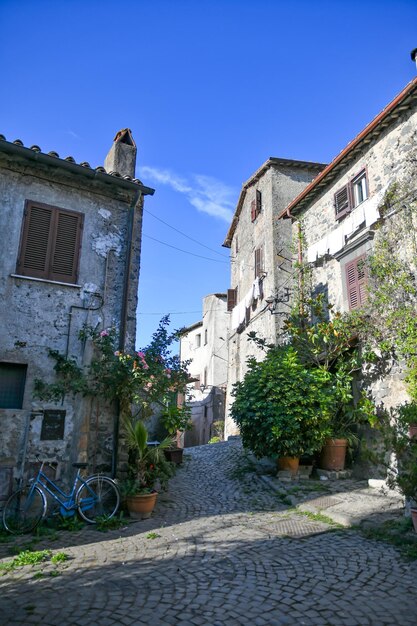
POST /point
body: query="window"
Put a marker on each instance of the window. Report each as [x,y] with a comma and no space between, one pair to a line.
[205,337]
[351,195]
[231,299]
[259,262]
[198,340]
[359,188]
[256,205]
[50,243]
[356,281]
[12,385]
[205,377]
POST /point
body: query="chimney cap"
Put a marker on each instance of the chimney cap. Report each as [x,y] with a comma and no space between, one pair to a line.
[413,54]
[125,136]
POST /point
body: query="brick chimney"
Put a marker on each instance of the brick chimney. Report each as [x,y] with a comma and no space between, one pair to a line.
[121,157]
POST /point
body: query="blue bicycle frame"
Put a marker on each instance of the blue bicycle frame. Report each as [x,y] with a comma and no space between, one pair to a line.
[68,505]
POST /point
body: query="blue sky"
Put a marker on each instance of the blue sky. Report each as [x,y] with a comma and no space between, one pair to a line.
[210,89]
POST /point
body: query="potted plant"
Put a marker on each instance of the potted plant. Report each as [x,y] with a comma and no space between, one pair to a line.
[148,469]
[176,419]
[281,406]
[341,430]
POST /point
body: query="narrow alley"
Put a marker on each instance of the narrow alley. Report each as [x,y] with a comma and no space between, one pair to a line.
[220,549]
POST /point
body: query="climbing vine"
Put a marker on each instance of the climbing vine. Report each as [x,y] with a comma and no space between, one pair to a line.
[387,323]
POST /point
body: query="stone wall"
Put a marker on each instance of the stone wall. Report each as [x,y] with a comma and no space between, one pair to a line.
[205,344]
[279,184]
[387,159]
[38,315]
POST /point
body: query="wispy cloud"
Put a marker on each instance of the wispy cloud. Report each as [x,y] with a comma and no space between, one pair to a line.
[205,193]
[72,133]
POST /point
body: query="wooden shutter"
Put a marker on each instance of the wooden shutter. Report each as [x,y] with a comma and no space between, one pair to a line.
[35,248]
[66,246]
[342,201]
[253,210]
[231,299]
[50,243]
[356,281]
[258,262]
[258,202]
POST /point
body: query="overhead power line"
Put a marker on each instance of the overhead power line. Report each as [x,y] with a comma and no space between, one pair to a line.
[176,312]
[185,251]
[185,235]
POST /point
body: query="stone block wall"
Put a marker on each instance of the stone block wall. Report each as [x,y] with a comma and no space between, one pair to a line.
[38,315]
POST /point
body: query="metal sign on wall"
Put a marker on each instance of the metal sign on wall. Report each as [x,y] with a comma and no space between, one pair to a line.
[53,425]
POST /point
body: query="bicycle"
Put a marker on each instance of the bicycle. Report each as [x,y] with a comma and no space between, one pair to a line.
[93,497]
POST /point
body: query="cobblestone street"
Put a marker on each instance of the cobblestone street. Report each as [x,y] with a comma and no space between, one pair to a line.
[221,549]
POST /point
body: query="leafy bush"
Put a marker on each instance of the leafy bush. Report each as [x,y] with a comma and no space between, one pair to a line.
[282,405]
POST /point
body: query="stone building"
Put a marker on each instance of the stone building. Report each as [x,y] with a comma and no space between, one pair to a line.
[261,271]
[205,344]
[340,211]
[70,257]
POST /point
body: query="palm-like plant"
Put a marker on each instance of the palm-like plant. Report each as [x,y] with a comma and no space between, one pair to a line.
[147,463]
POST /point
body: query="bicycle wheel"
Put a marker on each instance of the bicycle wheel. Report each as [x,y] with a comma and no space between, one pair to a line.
[98,497]
[24,510]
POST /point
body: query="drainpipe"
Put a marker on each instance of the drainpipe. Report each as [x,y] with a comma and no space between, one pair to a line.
[123,317]
[300,274]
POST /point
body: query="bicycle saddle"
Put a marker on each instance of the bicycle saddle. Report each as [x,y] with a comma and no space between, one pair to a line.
[80,465]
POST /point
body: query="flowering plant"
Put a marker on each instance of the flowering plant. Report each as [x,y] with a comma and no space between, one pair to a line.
[136,379]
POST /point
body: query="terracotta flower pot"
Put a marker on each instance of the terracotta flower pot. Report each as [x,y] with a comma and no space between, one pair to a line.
[289,464]
[414,518]
[333,455]
[141,505]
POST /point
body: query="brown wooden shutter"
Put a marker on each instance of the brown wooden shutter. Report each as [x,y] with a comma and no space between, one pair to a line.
[50,243]
[35,248]
[356,281]
[258,202]
[253,210]
[342,201]
[258,262]
[66,248]
[231,299]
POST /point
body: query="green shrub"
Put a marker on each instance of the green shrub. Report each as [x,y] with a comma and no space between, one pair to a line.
[282,405]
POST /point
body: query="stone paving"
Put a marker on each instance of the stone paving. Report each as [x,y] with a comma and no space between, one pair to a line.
[222,549]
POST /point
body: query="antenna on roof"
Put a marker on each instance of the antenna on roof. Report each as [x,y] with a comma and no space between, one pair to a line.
[413,55]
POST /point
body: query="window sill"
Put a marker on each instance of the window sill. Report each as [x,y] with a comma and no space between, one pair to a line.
[45,280]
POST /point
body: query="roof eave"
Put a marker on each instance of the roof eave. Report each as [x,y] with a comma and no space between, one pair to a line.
[74,168]
[374,128]
[254,178]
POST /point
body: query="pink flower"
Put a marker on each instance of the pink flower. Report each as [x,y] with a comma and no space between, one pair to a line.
[141,355]
[104,333]
[117,353]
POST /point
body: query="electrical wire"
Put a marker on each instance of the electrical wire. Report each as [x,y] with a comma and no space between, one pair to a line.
[185,251]
[184,235]
[177,312]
